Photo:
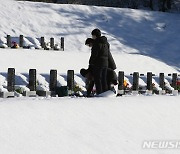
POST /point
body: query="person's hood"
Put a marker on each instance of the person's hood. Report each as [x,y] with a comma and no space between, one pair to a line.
[101,39]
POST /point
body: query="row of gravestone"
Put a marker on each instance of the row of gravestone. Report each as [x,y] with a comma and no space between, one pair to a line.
[70,88]
[46,46]
[33,92]
[149,84]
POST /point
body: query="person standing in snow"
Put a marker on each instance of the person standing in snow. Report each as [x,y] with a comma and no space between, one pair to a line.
[99,61]
[111,75]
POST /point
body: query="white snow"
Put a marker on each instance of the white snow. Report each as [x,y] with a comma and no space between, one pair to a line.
[95,125]
[154,34]
[140,41]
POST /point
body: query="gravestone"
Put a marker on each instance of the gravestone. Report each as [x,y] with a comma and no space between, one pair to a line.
[52,43]
[10,84]
[62,43]
[70,82]
[32,84]
[121,83]
[9,41]
[135,83]
[21,41]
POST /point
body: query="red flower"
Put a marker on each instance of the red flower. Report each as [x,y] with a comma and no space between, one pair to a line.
[178,82]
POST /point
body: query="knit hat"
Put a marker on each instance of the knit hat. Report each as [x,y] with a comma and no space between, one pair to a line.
[96,32]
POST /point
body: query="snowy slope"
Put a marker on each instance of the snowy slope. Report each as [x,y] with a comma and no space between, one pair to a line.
[148,33]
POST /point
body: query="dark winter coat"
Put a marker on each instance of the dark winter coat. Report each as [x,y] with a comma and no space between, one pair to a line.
[111,62]
[99,53]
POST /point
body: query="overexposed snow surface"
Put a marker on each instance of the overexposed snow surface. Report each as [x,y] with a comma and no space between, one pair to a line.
[140,41]
[44,60]
[94,125]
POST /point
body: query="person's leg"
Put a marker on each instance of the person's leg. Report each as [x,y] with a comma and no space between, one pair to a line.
[97,72]
[104,80]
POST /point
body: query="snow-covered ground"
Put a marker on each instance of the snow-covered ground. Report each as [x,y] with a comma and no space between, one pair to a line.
[140,41]
[88,126]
